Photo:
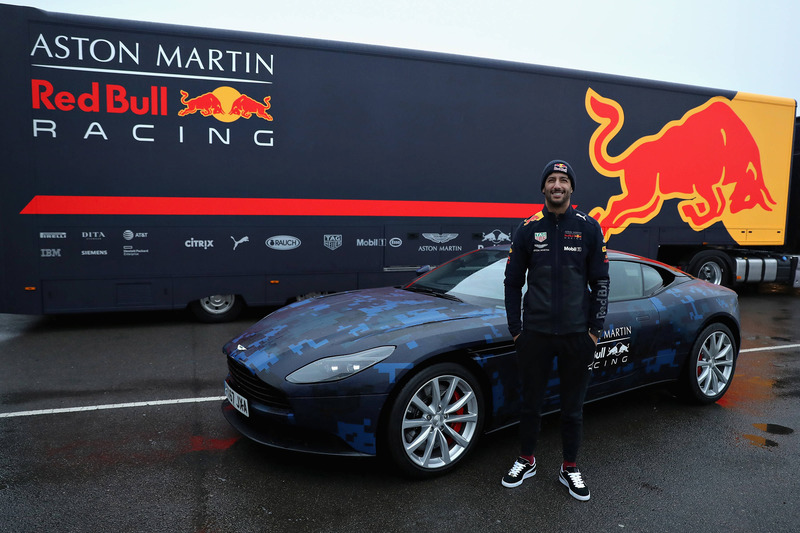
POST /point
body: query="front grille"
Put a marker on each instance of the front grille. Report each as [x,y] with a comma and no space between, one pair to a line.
[248,385]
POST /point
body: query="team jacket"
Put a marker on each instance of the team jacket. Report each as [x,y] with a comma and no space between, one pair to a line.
[567,273]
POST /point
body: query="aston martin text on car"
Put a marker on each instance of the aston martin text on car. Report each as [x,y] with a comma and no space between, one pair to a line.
[418,373]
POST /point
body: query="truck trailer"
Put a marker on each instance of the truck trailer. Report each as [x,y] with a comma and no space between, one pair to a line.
[152,166]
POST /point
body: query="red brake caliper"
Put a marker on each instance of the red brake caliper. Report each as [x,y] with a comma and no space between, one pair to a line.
[460,425]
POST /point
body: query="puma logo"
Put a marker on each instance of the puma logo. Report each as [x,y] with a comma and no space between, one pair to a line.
[240,241]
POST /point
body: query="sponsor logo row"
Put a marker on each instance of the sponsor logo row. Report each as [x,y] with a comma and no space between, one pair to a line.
[331,241]
[128,235]
[334,241]
[96,237]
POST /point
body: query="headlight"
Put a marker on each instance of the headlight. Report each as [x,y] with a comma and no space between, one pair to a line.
[340,366]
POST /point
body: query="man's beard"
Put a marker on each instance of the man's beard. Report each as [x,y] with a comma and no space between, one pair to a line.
[564,200]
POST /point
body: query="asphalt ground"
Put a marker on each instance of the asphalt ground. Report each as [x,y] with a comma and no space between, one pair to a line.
[112,423]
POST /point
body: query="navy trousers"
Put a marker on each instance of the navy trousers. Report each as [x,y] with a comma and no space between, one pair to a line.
[573,354]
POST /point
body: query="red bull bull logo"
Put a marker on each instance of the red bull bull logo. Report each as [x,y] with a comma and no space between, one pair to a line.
[225,104]
[708,159]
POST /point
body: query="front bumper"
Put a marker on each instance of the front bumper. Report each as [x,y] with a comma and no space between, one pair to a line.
[345,425]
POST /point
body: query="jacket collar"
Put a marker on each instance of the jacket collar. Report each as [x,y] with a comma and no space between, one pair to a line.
[552,216]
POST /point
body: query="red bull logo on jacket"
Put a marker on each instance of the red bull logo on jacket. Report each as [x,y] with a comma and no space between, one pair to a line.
[716,160]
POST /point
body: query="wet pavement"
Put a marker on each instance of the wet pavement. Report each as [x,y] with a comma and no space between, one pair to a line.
[652,462]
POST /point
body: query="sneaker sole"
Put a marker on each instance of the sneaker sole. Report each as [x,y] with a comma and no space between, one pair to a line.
[518,483]
[571,493]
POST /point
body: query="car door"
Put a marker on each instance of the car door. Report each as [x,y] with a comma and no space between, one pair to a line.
[630,327]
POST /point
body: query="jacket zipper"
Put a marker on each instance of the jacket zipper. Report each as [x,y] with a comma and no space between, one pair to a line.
[556,304]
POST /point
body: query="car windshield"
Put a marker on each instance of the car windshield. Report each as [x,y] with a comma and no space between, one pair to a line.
[473,277]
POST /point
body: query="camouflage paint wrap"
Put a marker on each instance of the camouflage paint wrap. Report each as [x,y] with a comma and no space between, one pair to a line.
[645,341]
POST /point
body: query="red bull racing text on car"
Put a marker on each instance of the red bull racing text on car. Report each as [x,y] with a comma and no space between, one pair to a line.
[126,143]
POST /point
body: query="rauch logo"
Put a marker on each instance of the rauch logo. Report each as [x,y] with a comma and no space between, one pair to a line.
[283,242]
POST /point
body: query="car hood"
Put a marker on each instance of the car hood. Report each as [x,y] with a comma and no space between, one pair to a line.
[344,323]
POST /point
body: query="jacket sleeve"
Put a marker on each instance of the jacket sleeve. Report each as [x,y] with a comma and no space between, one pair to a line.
[598,280]
[516,269]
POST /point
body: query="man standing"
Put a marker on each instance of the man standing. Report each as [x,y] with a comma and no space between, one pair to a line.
[561,253]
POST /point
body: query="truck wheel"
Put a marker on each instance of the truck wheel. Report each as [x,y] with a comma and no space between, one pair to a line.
[709,369]
[711,266]
[435,420]
[217,308]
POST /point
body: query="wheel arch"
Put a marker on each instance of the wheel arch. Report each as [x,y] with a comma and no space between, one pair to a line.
[726,321]
[730,323]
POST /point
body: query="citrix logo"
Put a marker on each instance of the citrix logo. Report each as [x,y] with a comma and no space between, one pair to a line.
[199,243]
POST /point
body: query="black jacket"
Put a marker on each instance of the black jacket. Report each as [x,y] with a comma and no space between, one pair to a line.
[567,273]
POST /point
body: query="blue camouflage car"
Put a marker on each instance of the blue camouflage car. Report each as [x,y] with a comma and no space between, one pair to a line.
[418,373]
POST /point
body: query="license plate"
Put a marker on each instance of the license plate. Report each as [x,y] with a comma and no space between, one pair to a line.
[237,401]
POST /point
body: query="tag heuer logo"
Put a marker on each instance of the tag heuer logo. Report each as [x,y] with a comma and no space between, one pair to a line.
[332,242]
[540,236]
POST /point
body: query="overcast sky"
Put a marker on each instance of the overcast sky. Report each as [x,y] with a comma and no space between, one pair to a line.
[741,45]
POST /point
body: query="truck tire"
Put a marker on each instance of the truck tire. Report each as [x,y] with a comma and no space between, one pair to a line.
[217,308]
[712,266]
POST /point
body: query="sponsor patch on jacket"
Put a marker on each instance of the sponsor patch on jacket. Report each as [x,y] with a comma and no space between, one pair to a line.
[573,248]
[573,235]
[540,236]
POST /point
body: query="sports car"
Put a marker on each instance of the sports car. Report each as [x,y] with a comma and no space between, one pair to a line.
[417,373]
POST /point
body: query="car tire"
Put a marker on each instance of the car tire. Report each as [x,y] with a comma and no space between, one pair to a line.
[426,437]
[217,308]
[711,266]
[710,367]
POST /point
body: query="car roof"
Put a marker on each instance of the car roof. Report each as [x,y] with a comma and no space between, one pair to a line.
[614,255]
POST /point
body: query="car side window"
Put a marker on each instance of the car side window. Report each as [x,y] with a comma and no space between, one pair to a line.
[653,280]
[626,281]
[631,280]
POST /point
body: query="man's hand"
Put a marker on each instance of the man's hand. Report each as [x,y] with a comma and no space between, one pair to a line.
[517,336]
[594,338]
